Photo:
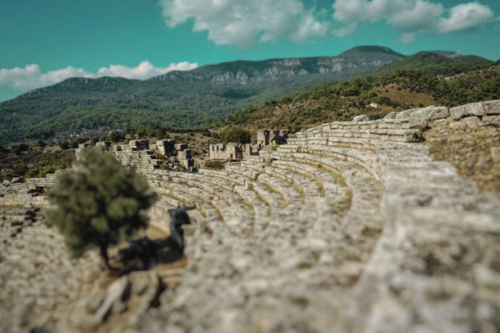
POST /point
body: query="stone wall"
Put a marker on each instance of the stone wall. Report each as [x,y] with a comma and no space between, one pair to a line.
[233,151]
[275,137]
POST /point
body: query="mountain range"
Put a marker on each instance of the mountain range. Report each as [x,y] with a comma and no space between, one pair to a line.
[197,97]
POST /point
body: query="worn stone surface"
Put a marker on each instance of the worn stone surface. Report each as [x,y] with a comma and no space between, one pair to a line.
[362,117]
[476,109]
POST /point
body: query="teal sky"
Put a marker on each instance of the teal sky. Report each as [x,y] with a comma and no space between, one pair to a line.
[64,38]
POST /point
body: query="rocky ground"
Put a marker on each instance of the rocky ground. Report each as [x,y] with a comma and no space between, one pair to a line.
[472,147]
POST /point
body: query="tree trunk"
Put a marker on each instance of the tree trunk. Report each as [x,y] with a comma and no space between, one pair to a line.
[104,255]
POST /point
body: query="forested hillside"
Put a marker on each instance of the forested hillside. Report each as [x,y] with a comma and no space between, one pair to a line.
[176,99]
[402,90]
[439,63]
[198,97]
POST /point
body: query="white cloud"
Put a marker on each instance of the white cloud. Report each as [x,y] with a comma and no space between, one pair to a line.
[410,16]
[145,70]
[31,76]
[465,16]
[243,22]
[407,38]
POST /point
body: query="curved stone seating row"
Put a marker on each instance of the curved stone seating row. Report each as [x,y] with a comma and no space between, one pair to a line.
[278,269]
[223,189]
[180,194]
[308,185]
[293,197]
[365,190]
[266,262]
[262,208]
[355,133]
[238,211]
[265,191]
[225,211]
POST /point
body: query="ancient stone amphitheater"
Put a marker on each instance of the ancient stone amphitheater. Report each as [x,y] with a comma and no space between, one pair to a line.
[350,227]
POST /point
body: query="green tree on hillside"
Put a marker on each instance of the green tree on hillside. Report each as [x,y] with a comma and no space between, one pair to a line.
[237,135]
[99,202]
[115,136]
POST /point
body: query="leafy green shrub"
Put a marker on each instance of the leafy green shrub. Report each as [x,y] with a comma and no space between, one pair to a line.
[237,135]
[64,145]
[99,202]
[115,136]
[17,149]
[214,165]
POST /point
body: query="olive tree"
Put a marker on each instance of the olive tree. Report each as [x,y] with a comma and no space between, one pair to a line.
[237,135]
[99,202]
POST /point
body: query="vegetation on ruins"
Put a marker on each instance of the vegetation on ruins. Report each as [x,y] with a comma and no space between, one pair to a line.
[237,135]
[33,162]
[99,203]
[214,165]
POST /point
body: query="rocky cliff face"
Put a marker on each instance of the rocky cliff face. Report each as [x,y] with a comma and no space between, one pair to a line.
[361,59]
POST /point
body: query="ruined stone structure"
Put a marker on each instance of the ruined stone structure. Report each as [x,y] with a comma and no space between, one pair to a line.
[141,155]
[177,151]
[350,227]
[276,137]
[233,151]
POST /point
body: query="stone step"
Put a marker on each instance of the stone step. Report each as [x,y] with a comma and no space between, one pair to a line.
[243,209]
[377,134]
[244,187]
[273,199]
[329,183]
[280,182]
[208,212]
[362,184]
[216,210]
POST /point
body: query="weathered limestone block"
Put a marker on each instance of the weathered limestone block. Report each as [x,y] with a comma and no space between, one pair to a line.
[390,116]
[428,113]
[458,125]
[362,117]
[184,154]
[476,109]
[439,112]
[419,123]
[491,121]
[187,163]
[403,115]
[471,122]
[165,147]
[492,107]
[473,109]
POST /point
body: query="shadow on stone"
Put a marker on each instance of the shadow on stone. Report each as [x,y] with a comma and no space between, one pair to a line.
[144,254]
